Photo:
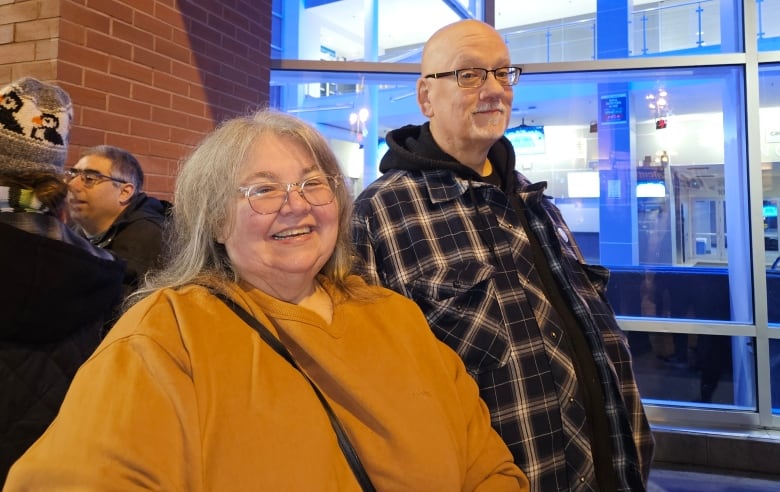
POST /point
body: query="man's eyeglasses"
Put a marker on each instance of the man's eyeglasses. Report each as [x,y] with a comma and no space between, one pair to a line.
[269,198]
[471,78]
[89,178]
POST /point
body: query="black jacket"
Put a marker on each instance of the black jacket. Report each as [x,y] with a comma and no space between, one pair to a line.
[57,293]
[137,236]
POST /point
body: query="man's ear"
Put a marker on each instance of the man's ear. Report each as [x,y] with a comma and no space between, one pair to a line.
[423,97]
[126,193]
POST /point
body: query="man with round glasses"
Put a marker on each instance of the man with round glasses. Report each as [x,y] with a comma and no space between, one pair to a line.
[107,205]
[491,262]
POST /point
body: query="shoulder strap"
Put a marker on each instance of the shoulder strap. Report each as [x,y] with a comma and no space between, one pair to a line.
[346,447]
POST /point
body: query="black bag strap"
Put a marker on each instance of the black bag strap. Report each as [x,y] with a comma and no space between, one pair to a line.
[346,447]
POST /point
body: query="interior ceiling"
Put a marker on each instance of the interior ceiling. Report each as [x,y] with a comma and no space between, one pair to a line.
[408,22]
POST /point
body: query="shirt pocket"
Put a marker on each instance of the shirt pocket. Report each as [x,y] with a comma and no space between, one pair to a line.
[461,306]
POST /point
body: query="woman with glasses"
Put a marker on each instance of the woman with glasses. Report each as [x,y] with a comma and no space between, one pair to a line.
[257,361]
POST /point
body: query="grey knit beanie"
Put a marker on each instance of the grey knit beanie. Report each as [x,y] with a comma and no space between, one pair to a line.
[35,120]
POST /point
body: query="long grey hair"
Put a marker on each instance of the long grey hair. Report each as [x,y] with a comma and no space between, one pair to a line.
[204,204]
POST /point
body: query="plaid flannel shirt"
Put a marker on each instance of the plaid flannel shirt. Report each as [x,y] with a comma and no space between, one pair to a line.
[415,233]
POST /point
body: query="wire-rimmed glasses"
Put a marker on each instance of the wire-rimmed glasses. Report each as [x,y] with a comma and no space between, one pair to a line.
[89,177]
[269,198]
[471,78]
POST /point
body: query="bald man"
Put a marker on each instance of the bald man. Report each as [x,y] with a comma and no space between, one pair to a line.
[490,260]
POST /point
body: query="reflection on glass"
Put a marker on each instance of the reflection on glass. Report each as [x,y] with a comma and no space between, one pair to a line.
[336,31]
[768,25]
[774,374]
[648,202]
[706,370]
[769,77]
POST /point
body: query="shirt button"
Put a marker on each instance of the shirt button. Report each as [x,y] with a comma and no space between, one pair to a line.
[582,479]
[554,335]
[571,400]
[563,235]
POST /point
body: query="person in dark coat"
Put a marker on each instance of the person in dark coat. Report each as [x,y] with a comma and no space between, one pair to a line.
[58,291]
[108,207]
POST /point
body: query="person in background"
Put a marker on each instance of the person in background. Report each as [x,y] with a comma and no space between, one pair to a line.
[107,205]
[57,290]
[187,392]
[488,257]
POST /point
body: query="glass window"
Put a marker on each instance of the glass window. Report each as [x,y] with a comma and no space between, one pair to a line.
[335,31]
[768,24]
[638,164]
[769,114]
[707,370]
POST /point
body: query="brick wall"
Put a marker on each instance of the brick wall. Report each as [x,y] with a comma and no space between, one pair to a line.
[152,76]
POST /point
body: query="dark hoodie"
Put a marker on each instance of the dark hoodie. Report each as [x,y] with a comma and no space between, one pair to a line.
[57,294]
[412,148]
[412,229]
[137,237]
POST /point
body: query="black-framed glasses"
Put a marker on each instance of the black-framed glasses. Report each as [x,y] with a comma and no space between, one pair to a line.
[269,198]
[471,78]
[89,177]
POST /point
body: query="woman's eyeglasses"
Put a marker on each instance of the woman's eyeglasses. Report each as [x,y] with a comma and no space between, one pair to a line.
[269,198]
[89,178]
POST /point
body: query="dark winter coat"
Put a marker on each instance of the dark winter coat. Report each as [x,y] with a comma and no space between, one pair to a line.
[137,236]
[56,294]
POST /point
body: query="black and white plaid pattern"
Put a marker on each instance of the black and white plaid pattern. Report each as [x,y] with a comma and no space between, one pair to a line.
[416,233]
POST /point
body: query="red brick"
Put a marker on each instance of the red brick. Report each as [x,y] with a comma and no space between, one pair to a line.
[17,52]
[73,32]
[86,137]
[70,72]
[166,149]
[37,29]
[108,44]
[169,15]
[113,9]
[107,83]
[128,107]
[189,106]
[185,136]
[150,24]
[86,17]
[49,8]
[151,59]
[90,98]
[18,12]
[131,70]
[172,50]
[150,129]
[83,56]
[136,145]
[46,49]
[153,96]
[132,35]
[105,120]
[170,83]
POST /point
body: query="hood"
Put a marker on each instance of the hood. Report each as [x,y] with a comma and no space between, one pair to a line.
[50,288]
[412,147]
[143,206]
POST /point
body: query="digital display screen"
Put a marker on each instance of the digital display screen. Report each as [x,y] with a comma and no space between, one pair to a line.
[527,139]
[583,184]
[613,109]
[651,189]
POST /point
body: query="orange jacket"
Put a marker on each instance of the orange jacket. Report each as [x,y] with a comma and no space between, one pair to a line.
[183,395]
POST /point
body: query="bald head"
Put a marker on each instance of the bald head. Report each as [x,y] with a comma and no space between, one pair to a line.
[441,50]
[465,121]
